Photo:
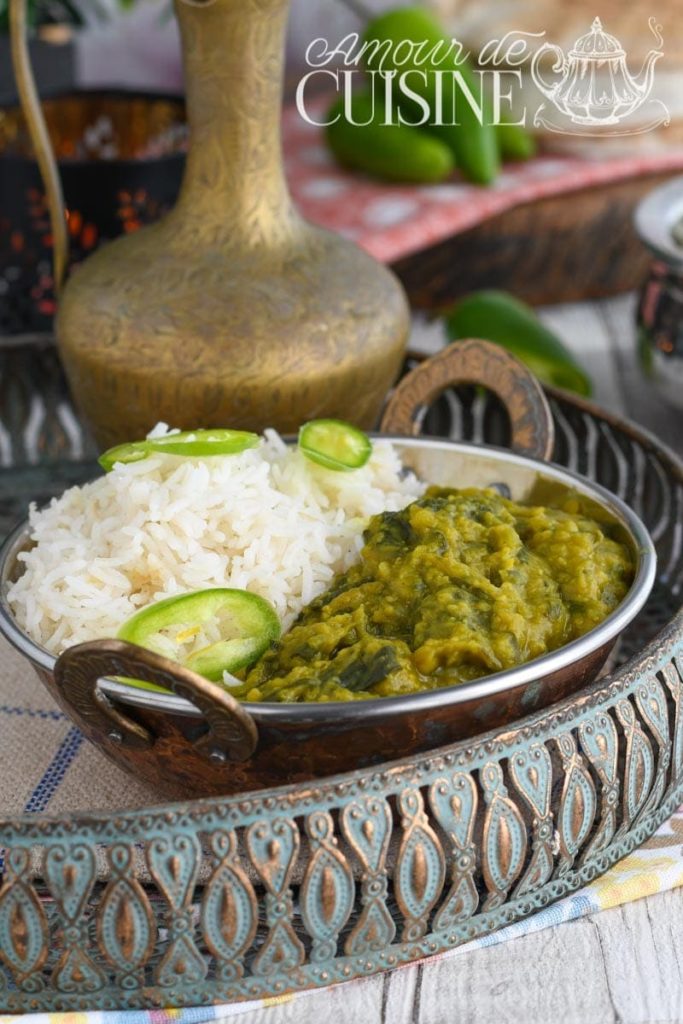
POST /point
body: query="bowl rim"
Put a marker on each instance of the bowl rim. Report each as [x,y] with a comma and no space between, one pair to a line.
[654,219]
[381,707]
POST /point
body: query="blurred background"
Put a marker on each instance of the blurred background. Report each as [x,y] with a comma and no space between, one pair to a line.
[553,228]
[134,43]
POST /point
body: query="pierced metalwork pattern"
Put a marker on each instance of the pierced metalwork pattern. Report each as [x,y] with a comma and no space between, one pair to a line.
[229,908]
[300,887]
[454,802]
[367,827]
[126,928]
[358,873]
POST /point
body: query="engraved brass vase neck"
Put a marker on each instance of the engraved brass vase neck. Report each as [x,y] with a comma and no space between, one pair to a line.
[233,73]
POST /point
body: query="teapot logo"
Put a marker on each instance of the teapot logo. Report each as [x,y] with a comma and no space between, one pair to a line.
[595,93]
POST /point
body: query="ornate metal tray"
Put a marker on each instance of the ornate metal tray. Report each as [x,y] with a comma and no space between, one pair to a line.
[288,888]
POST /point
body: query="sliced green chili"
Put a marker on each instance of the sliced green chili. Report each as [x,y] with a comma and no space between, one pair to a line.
[133,452]
[251,625]
[189,443]
[335,444]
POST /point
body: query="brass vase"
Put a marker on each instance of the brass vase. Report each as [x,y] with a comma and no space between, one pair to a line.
[231,310]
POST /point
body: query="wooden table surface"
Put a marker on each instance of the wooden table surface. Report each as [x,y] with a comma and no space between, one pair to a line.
[623,965]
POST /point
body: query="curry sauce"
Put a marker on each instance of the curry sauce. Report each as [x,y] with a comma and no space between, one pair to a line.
[458,585]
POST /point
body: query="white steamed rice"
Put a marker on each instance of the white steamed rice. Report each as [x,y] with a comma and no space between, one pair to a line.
[267,520]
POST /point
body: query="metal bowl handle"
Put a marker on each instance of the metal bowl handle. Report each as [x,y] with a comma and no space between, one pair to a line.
[476,362]
[232,734]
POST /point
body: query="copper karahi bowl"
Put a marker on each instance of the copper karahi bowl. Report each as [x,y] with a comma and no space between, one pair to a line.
[199,739]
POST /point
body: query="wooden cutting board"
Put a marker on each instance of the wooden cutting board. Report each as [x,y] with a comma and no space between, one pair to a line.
[577,245]
[563,248]
[556,229]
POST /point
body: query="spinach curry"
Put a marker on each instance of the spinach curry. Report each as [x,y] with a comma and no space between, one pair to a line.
[458,585]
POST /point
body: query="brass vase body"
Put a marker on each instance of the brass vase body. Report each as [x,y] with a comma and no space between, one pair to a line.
[231,310]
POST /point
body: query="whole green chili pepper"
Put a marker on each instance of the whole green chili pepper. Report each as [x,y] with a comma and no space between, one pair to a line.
[394,152]
[514,143]
[500,317]
[473,144]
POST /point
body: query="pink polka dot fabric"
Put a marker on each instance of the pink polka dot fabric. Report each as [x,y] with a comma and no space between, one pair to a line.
[392,221]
